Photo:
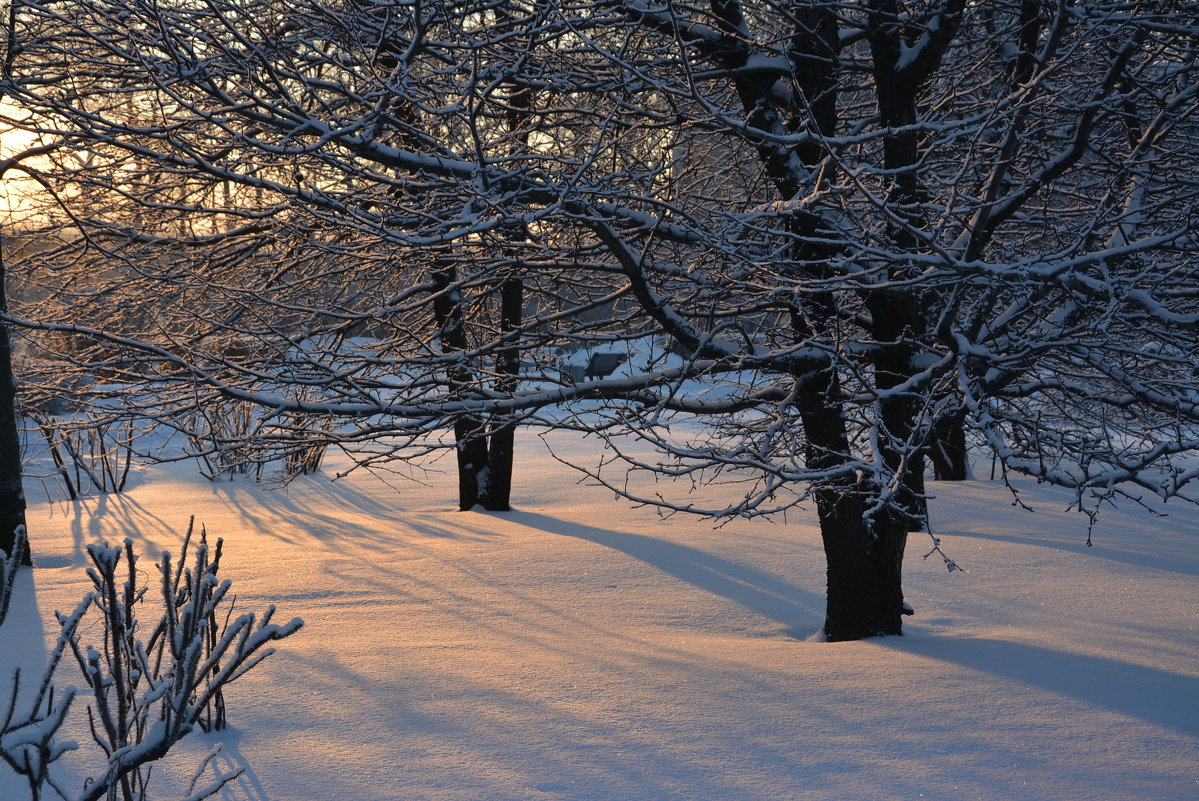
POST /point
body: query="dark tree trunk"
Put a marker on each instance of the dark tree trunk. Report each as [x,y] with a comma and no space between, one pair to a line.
[898,323]
[469,442]
[484,456]
[497,489]
[948,451]
[12,494]
[864,555]
[472,461]
[864,560]
[865,569]
[497,484]
[900,315]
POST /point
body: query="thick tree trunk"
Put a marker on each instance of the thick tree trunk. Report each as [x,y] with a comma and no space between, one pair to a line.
[898,324]
[865,560]
[12,494]
[865,569]
[864,555]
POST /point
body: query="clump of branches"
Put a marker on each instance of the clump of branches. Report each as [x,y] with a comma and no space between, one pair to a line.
[218,434]
[305,457]
[88,456]
[232,438]
[147,694]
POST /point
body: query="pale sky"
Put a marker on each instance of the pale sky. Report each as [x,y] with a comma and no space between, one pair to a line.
[14,186]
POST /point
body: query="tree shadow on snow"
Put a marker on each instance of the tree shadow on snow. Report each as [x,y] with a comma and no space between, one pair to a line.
[1125,533]
[314,506]
[107,517]
[802,612]
[21,646]
[1157,696]
[1100,550]
[247,786]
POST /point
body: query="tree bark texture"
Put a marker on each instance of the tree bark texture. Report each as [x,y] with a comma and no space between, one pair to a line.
[864,555]
[12,493]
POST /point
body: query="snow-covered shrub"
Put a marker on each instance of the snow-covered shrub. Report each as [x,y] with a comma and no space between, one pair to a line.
[233,438]
[146,693]
[29,743]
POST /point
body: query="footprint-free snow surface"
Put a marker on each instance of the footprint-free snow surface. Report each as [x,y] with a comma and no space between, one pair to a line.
[580,649]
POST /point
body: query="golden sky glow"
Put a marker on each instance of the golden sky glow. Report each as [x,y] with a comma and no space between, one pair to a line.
[15,185]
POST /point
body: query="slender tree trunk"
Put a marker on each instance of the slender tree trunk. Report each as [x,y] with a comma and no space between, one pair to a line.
[486,449]
[469,433]
[12,493]
[485,456]
[499,444]
[497,492]
[899,315]
[471,443]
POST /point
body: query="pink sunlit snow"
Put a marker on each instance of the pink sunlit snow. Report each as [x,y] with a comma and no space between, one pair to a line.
[577,648]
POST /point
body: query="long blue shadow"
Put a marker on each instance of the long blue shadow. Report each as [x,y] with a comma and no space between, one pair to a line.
[800,611]
[1100,551]
[22,647]
[1158,696]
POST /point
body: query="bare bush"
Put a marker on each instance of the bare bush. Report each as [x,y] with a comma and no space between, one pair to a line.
[88,456]
[217,435]
[146,694]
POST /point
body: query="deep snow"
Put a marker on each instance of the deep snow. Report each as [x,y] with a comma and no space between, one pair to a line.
[580,649]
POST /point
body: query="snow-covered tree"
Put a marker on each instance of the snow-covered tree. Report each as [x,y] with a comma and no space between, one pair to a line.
[852,232]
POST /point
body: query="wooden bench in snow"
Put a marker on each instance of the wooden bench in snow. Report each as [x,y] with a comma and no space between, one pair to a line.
[599,365]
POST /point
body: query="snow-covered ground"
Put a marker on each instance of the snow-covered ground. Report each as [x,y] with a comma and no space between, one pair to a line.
[580,649]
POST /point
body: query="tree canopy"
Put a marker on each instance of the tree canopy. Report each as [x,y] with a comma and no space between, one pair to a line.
[827,237]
